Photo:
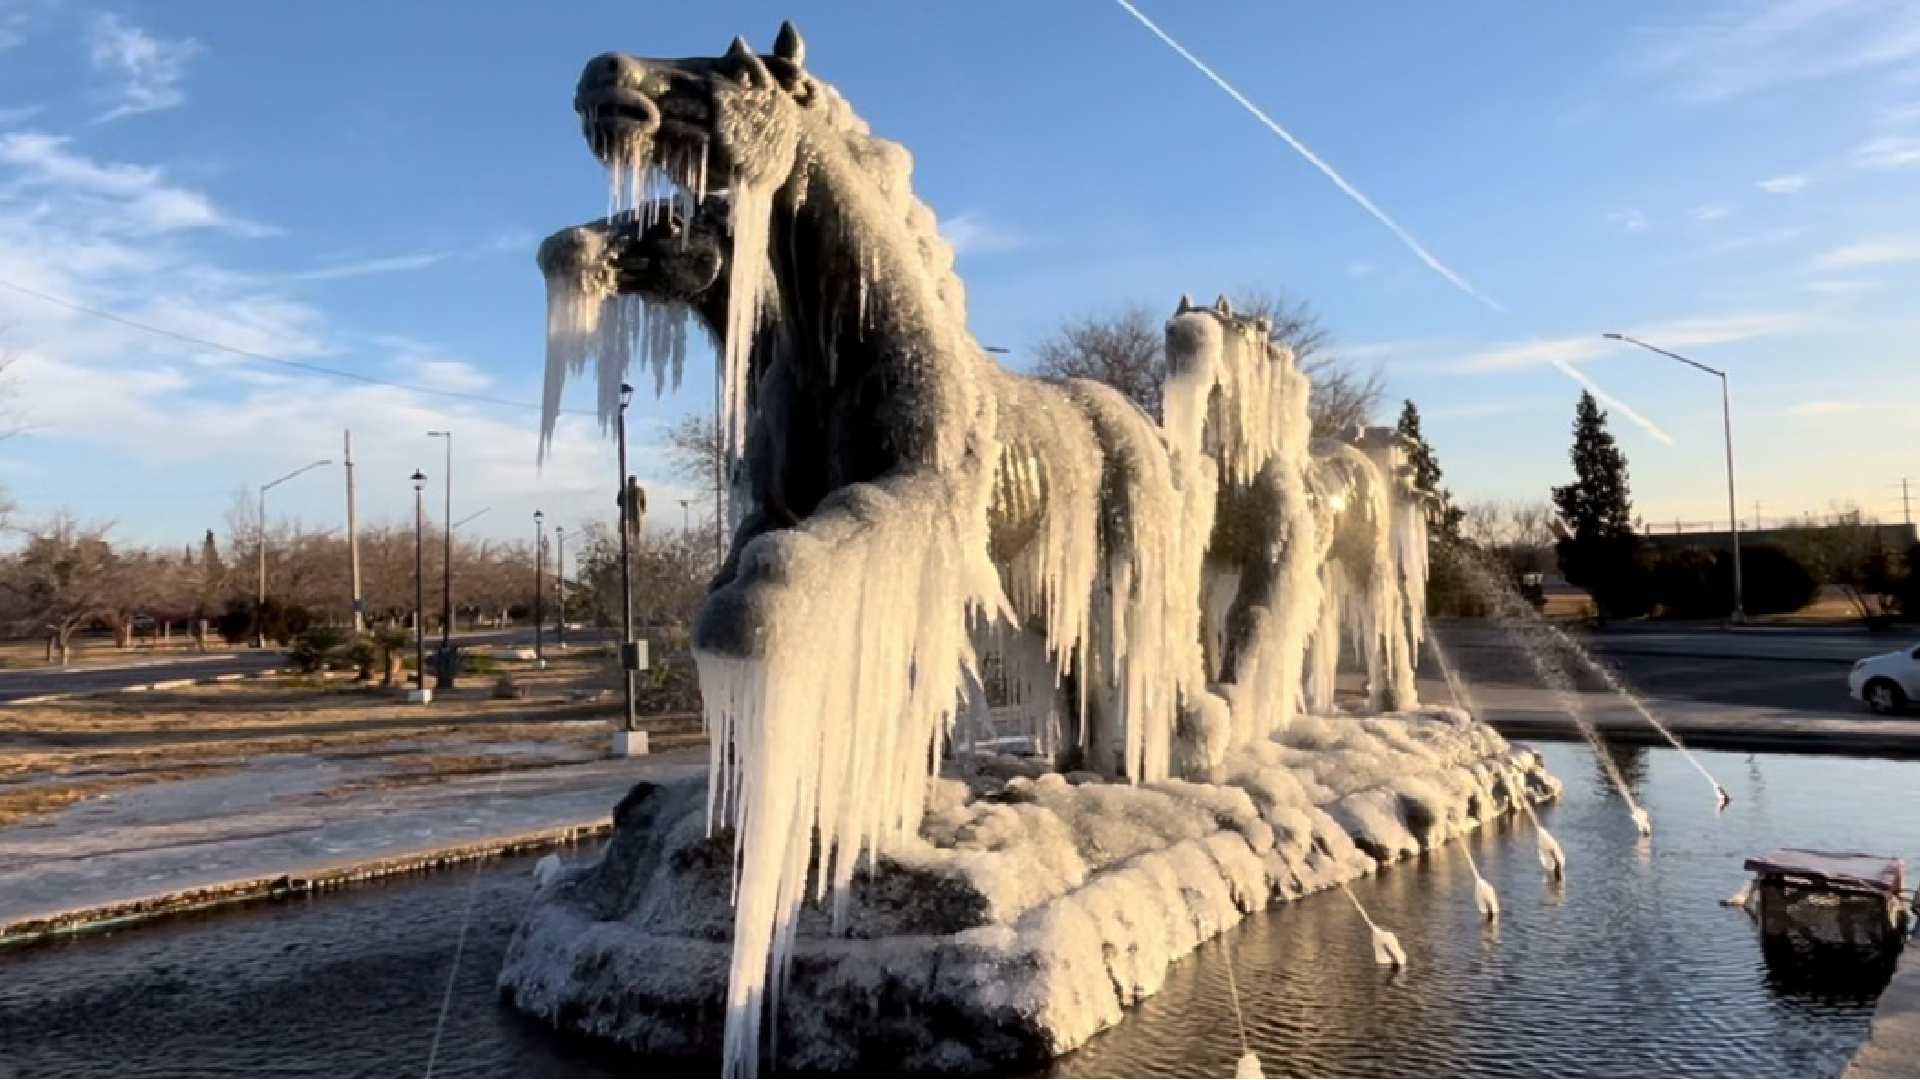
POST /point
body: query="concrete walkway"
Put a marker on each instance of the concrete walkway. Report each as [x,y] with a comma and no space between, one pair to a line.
[274,829]
[1893,1044]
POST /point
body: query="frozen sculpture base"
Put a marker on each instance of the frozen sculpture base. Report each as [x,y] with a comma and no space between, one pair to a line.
[1035,911]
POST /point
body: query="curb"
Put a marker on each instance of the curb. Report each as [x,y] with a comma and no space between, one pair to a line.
[1896,745]
[141,688]
[1605,650]
[299,882]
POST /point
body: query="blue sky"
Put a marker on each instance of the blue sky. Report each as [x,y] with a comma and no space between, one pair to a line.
[362,186]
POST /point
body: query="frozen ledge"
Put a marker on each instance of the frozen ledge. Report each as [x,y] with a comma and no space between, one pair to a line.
[1036,910]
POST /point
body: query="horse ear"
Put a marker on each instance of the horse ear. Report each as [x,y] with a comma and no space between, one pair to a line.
[788,46]
[1186,304]
[1223,305]
[753,70]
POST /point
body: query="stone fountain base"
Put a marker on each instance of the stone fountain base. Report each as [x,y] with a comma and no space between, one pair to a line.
[1038,908]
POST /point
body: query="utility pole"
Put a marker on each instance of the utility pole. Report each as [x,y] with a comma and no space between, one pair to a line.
[539,588]
[560,585]
[445,679]
[1906,500]
[353,548]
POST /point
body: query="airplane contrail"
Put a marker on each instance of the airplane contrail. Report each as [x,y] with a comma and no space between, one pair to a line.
[1625,409]
[1433,261]
[1413,244]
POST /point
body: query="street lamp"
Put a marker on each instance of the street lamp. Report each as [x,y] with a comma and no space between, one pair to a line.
[1726,416]
[624,742]
[260,605]
[445,674]
[539,583]
[560,585]
[420,693]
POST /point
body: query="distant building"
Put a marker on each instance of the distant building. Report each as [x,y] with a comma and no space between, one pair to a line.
[1895,537]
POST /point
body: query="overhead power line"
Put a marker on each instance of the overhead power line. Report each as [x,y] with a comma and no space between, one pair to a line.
[266,358]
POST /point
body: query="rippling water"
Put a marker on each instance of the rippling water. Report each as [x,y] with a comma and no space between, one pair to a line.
[1633,968]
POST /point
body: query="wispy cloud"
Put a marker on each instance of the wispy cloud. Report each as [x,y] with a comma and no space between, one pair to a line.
[391,264]
[1360,268]
[1867,253]
[973,234]
[15,113]
[1737,47]
[144,69]
[138,197]
[1826,408]
[1784,185]
[1888,152]
[1841,286]
[1711,212]
[1630,219]
[1671,333]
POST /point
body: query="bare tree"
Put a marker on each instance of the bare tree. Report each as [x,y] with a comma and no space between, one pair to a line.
[1519,533]
[1126,350]
[698,455]
[65,577]
[1854,554]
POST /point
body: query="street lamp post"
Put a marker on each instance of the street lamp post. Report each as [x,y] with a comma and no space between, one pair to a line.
[446,673]
[626,741]
[539,587]
[260,602]
[420,693]
[1739,615]
[560,586]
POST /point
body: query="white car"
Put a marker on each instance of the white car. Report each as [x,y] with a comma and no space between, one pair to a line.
[1888,682]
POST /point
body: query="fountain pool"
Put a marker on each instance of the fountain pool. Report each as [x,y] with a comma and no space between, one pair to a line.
[1632,969]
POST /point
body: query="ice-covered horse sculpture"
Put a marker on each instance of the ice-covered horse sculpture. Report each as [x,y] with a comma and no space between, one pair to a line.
[895,494]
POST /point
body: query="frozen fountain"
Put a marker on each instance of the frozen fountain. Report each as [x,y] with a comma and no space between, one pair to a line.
[865,878]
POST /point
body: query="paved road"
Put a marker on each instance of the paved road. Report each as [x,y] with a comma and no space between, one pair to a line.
[32,682]
[1802,672]
[136,671]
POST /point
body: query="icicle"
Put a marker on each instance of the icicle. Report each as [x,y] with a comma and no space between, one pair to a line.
[1552,859]
[1484,897]
[1386,947]
[752,213]
[1739,898]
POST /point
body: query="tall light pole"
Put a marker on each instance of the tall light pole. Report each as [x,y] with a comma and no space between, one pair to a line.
[353,546]
[421,693]
[445,679]
[560,585]
[629,653]
[260,603]
[1739,615]
[539,586]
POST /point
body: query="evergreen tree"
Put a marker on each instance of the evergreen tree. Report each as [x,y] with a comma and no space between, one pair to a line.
[1597,504]
[1602,555]
[1442,515]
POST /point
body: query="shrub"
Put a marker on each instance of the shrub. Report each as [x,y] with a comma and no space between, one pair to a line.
[317,649]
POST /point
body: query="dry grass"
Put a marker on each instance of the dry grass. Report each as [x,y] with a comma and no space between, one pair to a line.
[58,753]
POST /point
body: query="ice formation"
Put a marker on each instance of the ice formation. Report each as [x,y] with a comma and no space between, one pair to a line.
[1162,591]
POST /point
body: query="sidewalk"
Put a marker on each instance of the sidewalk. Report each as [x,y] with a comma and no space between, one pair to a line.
[286,826]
